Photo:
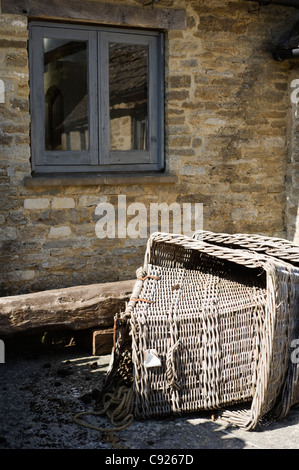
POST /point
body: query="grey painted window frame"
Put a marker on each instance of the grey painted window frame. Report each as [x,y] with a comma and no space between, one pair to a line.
[98,158]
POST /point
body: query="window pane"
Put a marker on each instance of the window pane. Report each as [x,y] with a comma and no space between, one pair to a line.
[128,96]
[65,93]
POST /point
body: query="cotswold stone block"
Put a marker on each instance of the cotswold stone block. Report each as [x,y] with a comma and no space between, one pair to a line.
[197,142]
[12,43]
[189,170]
[88,201]
[5,139]
[14,59]
[179,141]
[60,232]
[49,217]
[62,203]
[36,204]
[178,95]
[20,104]
[277,142]
[8,233]
[180,81]
[215,122]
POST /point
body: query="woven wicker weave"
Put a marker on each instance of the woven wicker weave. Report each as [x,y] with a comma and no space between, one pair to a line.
[276,247]
[280,249]
[217,319]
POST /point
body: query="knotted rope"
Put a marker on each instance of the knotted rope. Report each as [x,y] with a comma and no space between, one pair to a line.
[118,401]
[118,405]
[171,374]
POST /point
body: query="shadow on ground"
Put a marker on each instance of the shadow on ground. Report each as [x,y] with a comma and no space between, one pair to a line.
[42,390]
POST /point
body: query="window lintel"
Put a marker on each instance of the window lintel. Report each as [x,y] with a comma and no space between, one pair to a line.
[98,12]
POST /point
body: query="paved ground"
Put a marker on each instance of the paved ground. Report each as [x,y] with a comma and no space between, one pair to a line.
[41,392]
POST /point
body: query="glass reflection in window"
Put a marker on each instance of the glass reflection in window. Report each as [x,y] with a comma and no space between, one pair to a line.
[128,83]
[66,94]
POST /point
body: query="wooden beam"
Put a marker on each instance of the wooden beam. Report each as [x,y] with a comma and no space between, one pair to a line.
[88,11]
[96,342]
[102,342]
[72,308]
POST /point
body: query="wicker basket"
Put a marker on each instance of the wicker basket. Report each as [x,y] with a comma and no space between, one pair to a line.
[279,249]
[208,329]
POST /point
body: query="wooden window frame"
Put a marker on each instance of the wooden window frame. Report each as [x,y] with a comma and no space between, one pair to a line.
[98,158]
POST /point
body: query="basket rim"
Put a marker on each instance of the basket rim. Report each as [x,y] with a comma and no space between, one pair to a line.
[242,256]
[272,246]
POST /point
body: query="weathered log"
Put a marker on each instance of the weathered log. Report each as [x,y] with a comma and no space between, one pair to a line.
[72,308]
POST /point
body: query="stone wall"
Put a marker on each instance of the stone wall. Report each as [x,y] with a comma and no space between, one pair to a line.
[228,123]
[292,177]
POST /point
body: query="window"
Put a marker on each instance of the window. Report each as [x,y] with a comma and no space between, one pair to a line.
[96,99]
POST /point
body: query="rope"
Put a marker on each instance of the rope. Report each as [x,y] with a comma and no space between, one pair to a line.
[142,300]
[148,276]
[118,401]
[117,405]
[171,375]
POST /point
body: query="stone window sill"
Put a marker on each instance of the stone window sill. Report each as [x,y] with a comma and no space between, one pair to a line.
[103,180]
